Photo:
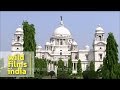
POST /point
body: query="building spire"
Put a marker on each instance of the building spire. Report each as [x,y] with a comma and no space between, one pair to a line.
[61,22]
[19,25]
[61,18]
[99,25]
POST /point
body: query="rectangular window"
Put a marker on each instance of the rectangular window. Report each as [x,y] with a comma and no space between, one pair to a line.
[100,56]
[60,53]
[42,56]
[53,67]
[61,42]
[86,56]
[76,57]
[57,41]
[65,63]
[74,66]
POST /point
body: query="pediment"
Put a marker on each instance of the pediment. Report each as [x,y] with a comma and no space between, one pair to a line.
[17,44]
[100,44]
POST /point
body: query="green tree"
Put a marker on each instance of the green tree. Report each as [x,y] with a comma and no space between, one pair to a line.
[55,63]
[51,73]
[118,71]
[62,70]
[29,37]
[61,65]
[79,69]
[1,63]
[40,68]
[110,63]
[37,70]
[92,66]
[104,70]
[90,72]
[69,66]
[99,72]
[89,75]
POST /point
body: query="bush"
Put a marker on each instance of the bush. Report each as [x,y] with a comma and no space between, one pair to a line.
[51,73]
[89,75]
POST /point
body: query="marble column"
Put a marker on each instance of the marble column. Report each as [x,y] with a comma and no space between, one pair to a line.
[76,66]
[59,41]
[73,65]
[53,68]
[49,67]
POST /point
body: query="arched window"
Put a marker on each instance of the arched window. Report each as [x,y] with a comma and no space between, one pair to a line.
[18,38]
[75,66]
[100,56]
[61,42]
[74,47]
[52,40]
[86,56]
[100,38]
[60,53]
[87,67]
[42,56]
[76,57]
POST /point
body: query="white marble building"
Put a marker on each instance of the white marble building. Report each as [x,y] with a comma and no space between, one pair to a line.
[17,41]
[63,46]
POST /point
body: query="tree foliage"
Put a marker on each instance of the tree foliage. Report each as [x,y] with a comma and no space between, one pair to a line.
[29,37]
[99,72]
[79,69]
[51,73]
[90,73]
[92,66]
[62,72]
[69,66]
[110,62]
[60,69]
[40,68]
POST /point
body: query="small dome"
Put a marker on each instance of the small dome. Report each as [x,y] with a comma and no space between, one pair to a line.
[74,43]
[19,29]
[87,47]
[99,28]
[39,46]
[47,43]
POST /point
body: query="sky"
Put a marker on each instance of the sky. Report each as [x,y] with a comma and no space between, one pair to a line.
[82,25]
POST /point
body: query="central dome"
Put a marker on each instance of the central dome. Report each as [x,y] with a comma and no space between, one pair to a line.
[62,31]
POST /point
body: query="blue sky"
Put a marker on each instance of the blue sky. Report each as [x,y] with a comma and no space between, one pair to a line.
[81,24]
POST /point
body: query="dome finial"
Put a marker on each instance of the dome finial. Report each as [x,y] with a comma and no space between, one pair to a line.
[61,18]
[99,28]
[19,26]
[61,22]
[99,25]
